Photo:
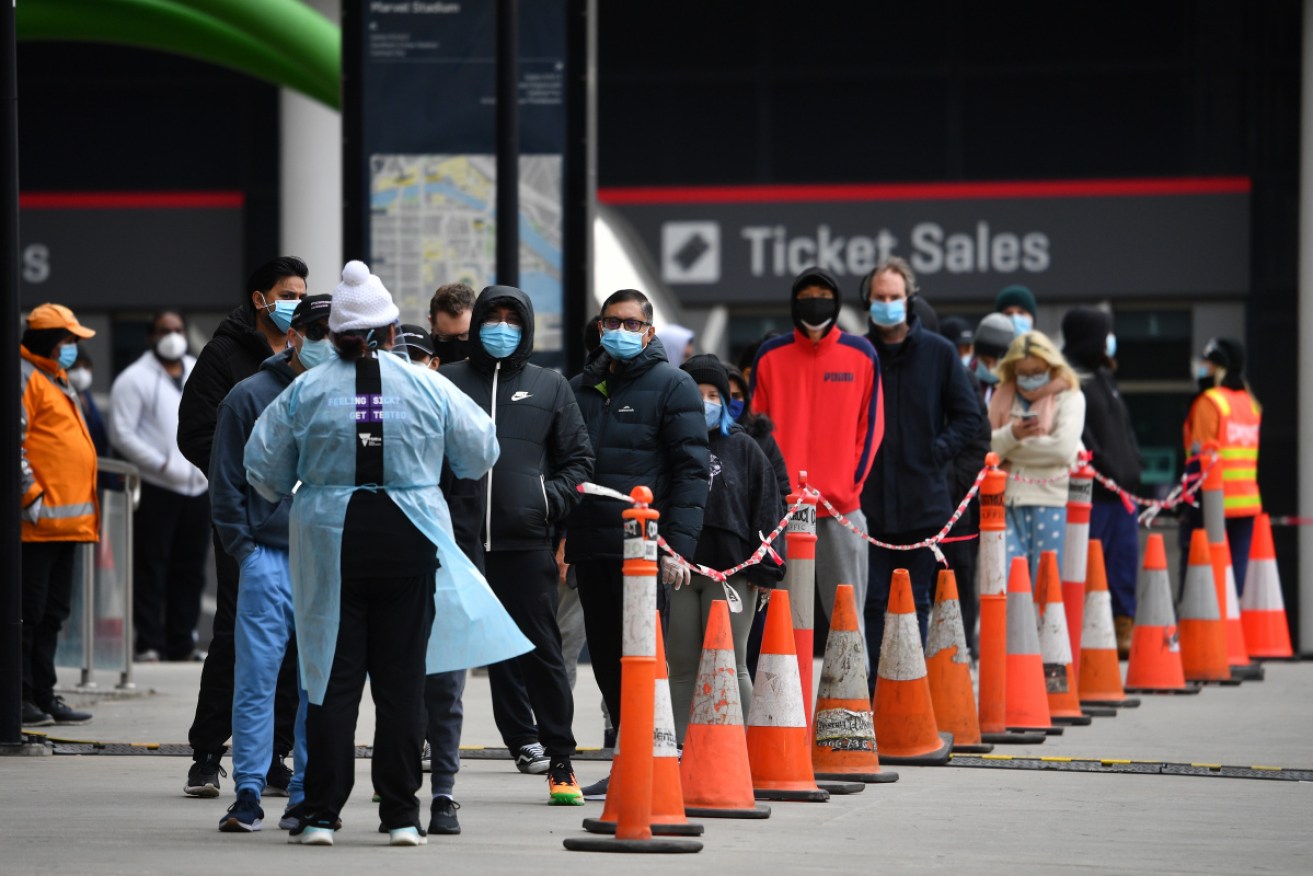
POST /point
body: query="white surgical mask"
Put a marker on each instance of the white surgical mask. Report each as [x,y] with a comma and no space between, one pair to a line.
[80,378]
[171,347]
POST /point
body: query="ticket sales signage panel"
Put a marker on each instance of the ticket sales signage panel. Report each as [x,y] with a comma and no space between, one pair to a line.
[1072,240]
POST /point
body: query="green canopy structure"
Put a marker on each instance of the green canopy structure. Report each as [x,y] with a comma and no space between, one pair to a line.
[283,42]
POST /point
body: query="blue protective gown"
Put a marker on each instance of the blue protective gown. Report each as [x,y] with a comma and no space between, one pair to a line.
[308,434]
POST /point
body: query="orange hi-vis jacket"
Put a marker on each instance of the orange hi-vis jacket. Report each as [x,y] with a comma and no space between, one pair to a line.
[1232,418]
[59,458]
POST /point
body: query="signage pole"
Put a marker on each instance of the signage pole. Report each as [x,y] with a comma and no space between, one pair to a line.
[11,603]
[508,143]
[1304,586]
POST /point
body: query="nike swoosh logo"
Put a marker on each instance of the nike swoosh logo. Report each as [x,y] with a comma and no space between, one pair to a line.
[521,395]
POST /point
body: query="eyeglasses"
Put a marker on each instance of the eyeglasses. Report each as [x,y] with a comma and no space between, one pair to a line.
[447,339]
[611,323]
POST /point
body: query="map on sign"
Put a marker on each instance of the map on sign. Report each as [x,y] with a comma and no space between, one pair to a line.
[434,221]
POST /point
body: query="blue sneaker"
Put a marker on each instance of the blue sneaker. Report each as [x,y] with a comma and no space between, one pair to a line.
[406,836]
[307,834]
[245,815]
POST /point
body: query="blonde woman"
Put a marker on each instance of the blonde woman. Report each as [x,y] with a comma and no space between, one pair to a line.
[1036,416]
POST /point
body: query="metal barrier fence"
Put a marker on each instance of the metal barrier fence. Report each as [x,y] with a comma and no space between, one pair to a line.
[99,632]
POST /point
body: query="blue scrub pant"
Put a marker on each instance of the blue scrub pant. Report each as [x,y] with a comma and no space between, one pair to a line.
[264,626]
[1118,531]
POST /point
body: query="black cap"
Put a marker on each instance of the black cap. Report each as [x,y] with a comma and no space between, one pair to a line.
[313,308]
[414,338]
[957,330]
[706,368]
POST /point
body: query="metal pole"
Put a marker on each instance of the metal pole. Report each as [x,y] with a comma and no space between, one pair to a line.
[131,494]
[508,143]
[1304,586]
[11,593]
[88,552]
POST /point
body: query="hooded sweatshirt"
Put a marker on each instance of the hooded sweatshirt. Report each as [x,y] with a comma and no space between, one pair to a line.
[241,516]
[825,400]
[545,452]
[236,351]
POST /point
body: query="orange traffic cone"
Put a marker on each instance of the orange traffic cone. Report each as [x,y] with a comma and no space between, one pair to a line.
[714,770]
[778,744]
[1055,645]
[1028,701]
[667,792]
[844,730]
[904,713]
[1203,634]
[1100,681]
[1237,649]
[948,668]
[1262,608]
[1155,665]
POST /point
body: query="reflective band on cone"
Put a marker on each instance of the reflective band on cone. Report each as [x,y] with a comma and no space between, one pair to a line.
[714,771]
[993,603]
[904,713]
[1237,649]
[843,731]
[1075,553]
[1100,680]
[1028,703]
[1055,646]
[1155,664]
[1262,607]
[948,669]
[778,747]
[667,791]
[800,581]
[1203,633]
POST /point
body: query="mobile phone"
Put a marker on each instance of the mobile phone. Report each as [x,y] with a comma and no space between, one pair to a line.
[1028,415]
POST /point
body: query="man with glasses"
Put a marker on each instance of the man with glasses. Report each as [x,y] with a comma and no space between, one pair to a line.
[647,427]
[449,320]
[254,533]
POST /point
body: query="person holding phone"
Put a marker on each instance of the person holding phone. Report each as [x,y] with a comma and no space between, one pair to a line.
[1036,417]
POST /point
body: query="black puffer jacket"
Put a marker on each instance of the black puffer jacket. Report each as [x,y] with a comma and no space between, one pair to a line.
[236,351]
[545,453]
[1108,432]
[646,424]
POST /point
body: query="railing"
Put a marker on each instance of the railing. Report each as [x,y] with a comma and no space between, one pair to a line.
[103,602]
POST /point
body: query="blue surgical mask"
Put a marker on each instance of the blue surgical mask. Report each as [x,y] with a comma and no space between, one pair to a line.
[621,344]
[500,339]
[281,312]
[1032,382]
[711,410]
[314,353]
[1110,346]
[985,375]
[889,313]
[1022,323]
[736,409]
[1201,371]
[68,354]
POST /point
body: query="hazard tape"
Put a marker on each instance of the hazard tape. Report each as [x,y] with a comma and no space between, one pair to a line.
[1117,765]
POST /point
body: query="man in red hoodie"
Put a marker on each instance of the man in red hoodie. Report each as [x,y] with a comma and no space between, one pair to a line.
[821,386]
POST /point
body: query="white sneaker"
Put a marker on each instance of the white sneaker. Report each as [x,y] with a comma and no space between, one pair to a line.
[311,836]
[406,836]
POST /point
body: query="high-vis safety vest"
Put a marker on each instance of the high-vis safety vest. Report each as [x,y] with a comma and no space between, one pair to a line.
[1237,433]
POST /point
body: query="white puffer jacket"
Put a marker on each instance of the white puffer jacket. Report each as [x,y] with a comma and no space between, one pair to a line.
[143,425]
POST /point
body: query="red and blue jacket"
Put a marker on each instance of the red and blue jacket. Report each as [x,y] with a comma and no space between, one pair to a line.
[825,400]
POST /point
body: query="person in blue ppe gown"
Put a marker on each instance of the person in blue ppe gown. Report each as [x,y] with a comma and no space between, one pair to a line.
[361,441]
[254,533]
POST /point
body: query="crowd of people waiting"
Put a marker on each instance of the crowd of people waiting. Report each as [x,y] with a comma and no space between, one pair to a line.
[400,502]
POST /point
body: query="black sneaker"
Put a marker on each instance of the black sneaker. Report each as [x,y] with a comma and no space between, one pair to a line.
[277,779]
[294,815]
[35,716]
[315,832]
[442,816]
[532,759]
[244,816]
[203,777]
[62,713]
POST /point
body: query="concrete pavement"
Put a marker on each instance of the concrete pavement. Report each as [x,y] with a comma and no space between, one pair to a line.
[126,814]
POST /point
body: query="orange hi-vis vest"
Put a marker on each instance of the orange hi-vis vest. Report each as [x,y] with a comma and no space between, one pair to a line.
[1237,432]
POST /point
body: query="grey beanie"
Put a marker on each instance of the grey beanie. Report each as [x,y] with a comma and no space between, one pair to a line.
[994,335]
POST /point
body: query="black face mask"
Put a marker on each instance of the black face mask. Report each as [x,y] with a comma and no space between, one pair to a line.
[814,311]
[447,352]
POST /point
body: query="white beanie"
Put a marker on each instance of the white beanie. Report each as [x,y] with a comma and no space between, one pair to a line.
[360,301]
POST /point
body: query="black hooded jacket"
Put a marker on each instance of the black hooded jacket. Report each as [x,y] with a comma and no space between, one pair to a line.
[545,453]
[236,351]
[1108,433]
[647,427]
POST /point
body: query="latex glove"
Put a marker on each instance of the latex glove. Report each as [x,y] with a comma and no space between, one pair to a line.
[675,572]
